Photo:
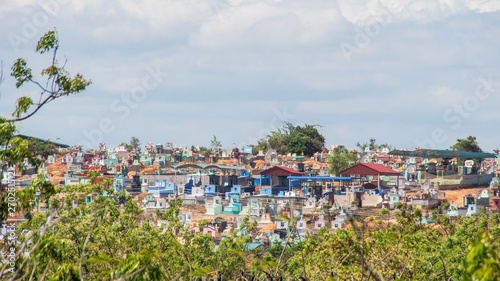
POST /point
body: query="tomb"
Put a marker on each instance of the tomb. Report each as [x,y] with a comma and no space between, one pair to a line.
[340,220]
[162,188]
[319,223]
[253,208]
[310,205]
[471,210]
[495,204]
[301,226]
[235,190]
[51,159]
[483,200]
[393,200]
[281,224]
[195,229]
[214,207]
[182,217]
[452,210]
[189,217]
[265,219]
[210,230]
[198,191]
[234,206]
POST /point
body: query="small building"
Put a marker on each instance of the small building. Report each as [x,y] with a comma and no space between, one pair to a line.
[210,230]
[301,226]
[319,223]
[281,224]
[234,206]
[214,207]
[452,210]
[471,210]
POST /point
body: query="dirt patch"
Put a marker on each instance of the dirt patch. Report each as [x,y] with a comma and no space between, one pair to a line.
[259,163]
[151,169]
[268,227]
[313,162]
[56,172]
[456,196]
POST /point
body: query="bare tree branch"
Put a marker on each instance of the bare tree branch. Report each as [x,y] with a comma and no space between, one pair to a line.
[83,250]
[34,270]
[125,277]
[33,249]
[47,100]
[1,71]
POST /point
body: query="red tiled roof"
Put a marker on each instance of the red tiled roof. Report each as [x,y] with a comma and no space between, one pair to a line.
[280,171]
[368,169]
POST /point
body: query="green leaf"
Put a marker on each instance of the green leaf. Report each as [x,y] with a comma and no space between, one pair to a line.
[22,106]
[48,42]
[21,72]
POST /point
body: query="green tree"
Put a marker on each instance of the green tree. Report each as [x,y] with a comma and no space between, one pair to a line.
[56,82]
[262,144]
[305,140]
[215,143]
[280,139]
[372,144]
[483,260]
[42,148]
[339,161]
[135,143]
[307,134]
[300,144]
[205,152]
[469,144]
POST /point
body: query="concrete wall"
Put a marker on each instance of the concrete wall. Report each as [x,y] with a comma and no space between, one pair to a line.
[429,203]
[372,200]
[477,179]
[177,179]
[344,200]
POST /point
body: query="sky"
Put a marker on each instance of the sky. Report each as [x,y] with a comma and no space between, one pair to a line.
[410,73]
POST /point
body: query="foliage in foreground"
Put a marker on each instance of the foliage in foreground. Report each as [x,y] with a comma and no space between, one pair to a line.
[112,239]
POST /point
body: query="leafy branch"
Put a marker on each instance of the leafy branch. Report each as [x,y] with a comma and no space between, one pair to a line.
[59,82]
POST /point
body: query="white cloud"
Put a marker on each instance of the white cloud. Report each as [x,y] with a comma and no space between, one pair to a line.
[233,61]
[268,25]
[361,12]
[162,14]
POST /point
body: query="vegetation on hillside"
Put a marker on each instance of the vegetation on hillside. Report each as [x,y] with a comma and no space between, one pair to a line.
[111,238]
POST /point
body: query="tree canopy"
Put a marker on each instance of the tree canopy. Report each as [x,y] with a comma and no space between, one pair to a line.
[305,140]
[468,144]
[262,145]
[371,144]
[215,144]
[113,238]
[134,144]
[54,82]
[340,160]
